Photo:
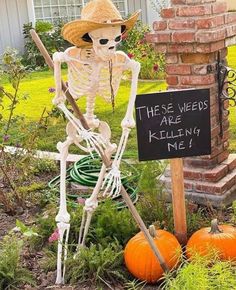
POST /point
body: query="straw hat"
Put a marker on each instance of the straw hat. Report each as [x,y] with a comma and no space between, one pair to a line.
[96,14]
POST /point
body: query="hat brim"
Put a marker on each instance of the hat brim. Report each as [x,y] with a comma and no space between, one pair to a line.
[74,31]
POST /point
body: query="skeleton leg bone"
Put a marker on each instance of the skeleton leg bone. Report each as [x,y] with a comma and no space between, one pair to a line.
[92,202]
[63,217]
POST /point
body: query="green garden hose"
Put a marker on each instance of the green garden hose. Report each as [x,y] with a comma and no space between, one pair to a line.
[86,171]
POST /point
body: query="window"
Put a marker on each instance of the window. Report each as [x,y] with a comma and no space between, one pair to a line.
[67,10]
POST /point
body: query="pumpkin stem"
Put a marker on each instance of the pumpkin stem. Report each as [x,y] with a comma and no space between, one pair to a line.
[215,228]
[152,231]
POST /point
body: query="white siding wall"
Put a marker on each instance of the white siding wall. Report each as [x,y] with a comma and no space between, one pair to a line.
[13,14]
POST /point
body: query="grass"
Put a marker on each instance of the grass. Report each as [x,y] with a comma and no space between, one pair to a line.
[36,85]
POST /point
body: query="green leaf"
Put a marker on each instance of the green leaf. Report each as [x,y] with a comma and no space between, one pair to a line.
[26,231]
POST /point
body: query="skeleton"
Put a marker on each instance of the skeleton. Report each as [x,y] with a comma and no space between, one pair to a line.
[93,72]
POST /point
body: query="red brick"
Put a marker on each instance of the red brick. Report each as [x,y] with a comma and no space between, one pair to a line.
[195,2]
[219,7]
[226,145]
[180,48]
[230,17]
[181,24]
[161,48]
[180,69]
[231,30]
[226,135]
[197,58]
[210,35]
[192,173]
[223,156]
[215,132]
[158,37]
[159,25]
[178,2]
[168,13]
[171,58]
[210,22]
[197,80]
[216,46]
[199,162]
[188,186]
[172,80]
[194,10]
[216,173]
[230,162]
[183,37]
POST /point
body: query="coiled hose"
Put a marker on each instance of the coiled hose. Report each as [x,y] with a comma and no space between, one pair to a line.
[86,171]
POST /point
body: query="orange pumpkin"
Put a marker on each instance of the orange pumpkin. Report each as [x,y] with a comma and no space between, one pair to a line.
[221,238]
[140,259]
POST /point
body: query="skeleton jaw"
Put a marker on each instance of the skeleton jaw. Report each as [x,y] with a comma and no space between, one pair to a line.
[104,54]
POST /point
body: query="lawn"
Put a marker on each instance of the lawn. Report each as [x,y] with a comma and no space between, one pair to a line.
[37,85]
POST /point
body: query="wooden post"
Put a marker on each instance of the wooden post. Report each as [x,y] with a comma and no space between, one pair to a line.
[178,199]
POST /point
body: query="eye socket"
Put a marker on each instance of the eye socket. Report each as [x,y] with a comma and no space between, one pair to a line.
[103,41]
[118,38]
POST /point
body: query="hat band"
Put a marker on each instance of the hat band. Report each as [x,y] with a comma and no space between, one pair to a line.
[113,21]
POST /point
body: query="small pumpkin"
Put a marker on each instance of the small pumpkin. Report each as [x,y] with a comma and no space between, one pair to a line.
[221,238]
[140,259]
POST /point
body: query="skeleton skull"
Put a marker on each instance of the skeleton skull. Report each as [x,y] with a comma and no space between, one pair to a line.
[105,41]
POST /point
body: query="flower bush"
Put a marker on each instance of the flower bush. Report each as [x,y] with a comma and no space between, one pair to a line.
[135,46]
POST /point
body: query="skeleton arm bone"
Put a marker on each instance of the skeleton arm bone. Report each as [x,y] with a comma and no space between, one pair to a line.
[58,57]
[113,179]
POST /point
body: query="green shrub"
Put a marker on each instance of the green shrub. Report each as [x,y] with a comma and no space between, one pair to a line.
[42,166]
[51,38]
[136,46]
[97,265]
[208,273]
[109,224]
[12,274]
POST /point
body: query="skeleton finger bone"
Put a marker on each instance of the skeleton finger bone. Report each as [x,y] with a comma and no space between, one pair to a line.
[113,182]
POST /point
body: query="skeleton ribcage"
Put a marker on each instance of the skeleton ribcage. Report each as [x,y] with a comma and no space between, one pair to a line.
[84,79]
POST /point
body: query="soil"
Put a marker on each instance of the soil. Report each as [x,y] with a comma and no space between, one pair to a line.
[31,260]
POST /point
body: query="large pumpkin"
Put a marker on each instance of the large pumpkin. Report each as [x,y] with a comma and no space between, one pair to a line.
[140,259]
[220,238]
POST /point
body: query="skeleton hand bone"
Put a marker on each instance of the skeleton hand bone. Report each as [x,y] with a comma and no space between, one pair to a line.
[113,181]
[93,140]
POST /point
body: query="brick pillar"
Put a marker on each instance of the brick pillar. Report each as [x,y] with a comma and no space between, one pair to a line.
[191,33]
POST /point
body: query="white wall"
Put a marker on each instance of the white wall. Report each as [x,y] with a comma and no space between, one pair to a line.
[13,14]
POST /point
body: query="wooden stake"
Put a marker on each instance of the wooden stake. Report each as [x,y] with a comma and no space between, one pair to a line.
[105,160]
[178,199]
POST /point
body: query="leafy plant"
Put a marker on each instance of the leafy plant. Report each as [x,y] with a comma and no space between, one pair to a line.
[109,223]
[40,166]
[12,274]
[136,46]
[152,205]
[202,272]
[51,37]
[97,265]
[134,285]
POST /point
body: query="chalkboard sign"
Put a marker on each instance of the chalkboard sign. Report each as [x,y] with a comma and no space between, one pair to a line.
[173,124]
